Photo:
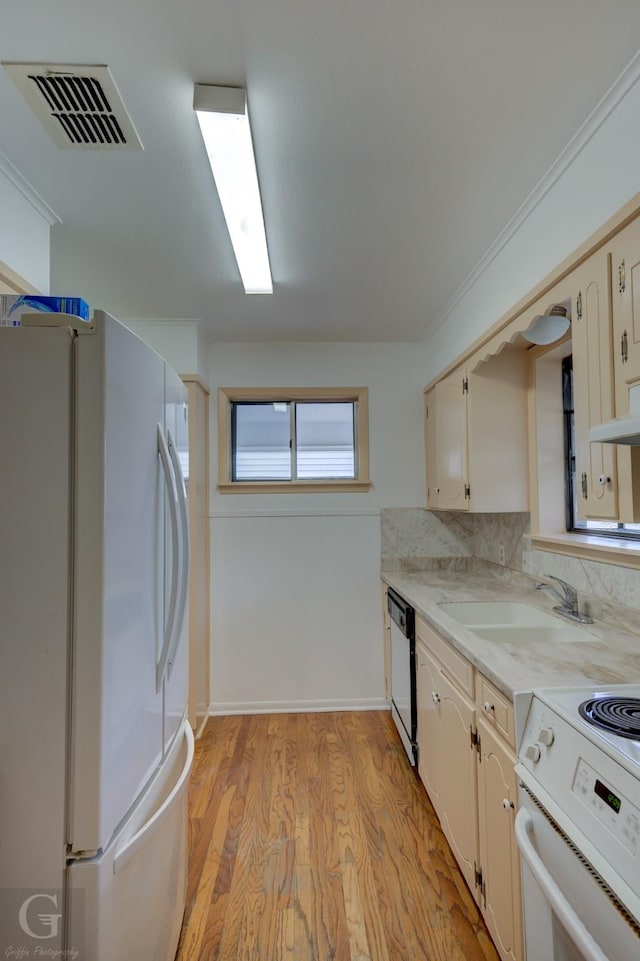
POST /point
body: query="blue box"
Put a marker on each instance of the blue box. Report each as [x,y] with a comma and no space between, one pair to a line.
[13,306]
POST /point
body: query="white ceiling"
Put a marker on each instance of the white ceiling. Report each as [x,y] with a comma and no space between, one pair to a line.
[394,141]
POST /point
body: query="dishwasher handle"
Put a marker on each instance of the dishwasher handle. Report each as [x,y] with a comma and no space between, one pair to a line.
[572,924]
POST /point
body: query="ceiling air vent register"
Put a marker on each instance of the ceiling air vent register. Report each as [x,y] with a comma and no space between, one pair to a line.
[79,105]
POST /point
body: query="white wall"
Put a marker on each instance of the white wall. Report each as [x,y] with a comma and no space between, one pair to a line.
[175,340]
[25,227]
[597,174]
[295,578]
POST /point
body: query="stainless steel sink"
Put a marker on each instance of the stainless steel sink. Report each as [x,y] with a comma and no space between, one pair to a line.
[511,622]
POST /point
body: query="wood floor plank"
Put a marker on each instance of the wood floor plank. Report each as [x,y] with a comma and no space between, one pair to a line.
[311,839]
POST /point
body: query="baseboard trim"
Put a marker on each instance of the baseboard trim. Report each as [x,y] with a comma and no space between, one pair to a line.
[296,707]
[201,723]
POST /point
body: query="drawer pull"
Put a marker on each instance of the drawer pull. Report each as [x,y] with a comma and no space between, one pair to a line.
[487,707]
[507,804]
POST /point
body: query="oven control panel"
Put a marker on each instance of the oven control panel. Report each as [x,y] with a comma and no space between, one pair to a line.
[609,805]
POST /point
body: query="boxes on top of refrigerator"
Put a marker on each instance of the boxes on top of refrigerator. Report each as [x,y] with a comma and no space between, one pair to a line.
[13,306]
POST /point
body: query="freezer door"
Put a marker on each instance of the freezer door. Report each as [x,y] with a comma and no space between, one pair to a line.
[35,556]
[117,731]
[176,684]
[129,903]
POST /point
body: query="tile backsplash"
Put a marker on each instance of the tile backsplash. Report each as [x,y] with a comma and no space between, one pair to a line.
[417,539]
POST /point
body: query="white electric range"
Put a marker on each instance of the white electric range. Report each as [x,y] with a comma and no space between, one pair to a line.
[578,823]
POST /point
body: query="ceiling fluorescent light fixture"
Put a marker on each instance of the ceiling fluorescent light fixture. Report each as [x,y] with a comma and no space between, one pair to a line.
[224,122]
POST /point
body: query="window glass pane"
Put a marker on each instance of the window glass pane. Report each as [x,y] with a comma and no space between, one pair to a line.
[325,440]
[261,442]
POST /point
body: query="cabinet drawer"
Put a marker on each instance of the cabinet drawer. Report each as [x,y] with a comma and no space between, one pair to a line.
[496,708]
[456,667]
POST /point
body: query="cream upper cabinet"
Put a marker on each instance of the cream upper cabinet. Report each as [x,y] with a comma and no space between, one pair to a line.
[431,449]
[624,250]
[478,437]
[466,762]
[593,398]
[451,442]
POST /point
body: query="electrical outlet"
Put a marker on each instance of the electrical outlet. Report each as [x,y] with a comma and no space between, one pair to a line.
[501,559]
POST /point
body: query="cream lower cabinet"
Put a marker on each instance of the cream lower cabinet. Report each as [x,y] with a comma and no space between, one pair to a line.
[386,644]
[466,761]
[497,797]
[446,758]
[429,723]
[199,580]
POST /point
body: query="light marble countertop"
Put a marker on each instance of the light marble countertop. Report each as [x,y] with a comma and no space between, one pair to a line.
[609,655]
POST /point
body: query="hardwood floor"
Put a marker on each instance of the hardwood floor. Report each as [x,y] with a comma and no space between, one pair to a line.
[311,839]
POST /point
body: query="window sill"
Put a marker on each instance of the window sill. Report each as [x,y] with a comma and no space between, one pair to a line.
[295,487]
[610,550]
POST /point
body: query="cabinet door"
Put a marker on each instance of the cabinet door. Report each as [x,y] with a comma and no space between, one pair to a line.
[199,579]
[451,442]
[386,644]
[456,771]
[625,297]
[499,859]
[429,723]
[596,468]
[625,257]
[431,448]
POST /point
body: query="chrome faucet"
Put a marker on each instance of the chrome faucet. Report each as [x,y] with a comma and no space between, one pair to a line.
[568,600]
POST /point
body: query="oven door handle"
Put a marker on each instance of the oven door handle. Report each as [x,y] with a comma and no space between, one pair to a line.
[574,927]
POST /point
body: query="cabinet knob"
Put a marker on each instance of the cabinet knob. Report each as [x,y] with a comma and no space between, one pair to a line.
[435,697]
[487,707]
[507,804]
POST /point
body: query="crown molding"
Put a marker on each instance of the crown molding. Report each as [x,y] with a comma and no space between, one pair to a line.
[603,109]
[23,186]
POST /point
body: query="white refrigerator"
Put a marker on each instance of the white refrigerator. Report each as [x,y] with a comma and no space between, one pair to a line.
[95,749]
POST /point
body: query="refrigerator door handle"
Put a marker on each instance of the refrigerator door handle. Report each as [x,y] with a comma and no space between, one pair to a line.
[165,460]
[128,850]
[184,567]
